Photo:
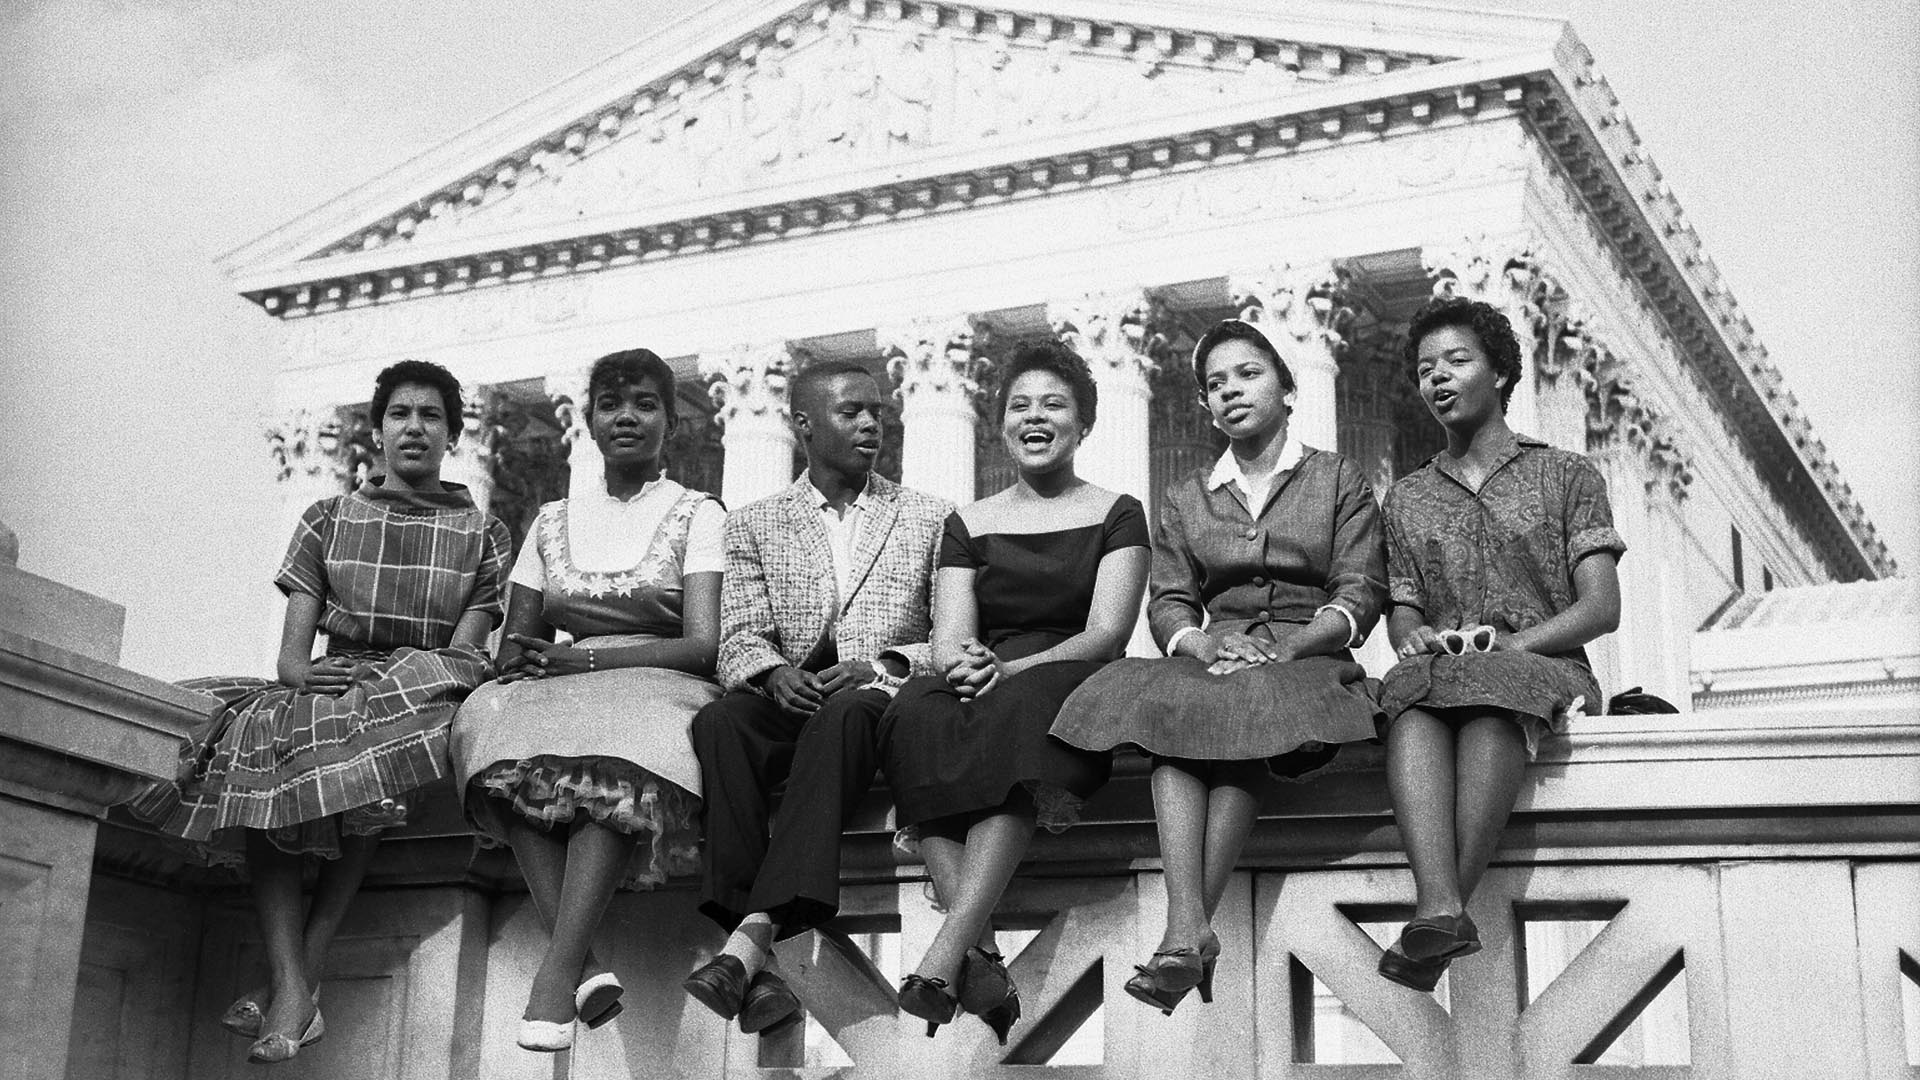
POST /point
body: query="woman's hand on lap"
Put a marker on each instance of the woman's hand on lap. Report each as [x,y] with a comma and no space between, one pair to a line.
[329,675]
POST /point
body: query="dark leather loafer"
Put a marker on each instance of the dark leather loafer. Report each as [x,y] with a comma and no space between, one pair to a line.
[1440,937]
[720,984]
[768,1004]
[1421,975]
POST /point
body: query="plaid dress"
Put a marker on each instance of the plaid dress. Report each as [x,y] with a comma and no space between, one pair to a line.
[396,571]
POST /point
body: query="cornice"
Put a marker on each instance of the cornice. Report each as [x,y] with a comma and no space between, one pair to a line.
[1554,87]
[1582,124]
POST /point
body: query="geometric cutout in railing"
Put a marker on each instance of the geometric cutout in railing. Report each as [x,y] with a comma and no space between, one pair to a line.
[1651,1025]
[1910,1004]
[1325,1031]
[1073,1032]
[864,955]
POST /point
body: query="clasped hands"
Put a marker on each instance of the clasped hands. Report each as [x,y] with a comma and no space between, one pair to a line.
[1425,639]
[976,672]
[329,675]
[1236,651]
[539,659]
[803,692]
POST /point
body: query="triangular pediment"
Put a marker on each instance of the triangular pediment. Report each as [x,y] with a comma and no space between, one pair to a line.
[788,99]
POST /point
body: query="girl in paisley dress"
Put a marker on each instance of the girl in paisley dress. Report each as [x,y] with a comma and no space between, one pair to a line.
[1501,559]
[405,577]
[578,757]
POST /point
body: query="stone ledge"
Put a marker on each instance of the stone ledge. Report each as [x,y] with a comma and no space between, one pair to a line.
[81,730]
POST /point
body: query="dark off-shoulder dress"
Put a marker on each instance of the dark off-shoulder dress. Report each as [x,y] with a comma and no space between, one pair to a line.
[947,757]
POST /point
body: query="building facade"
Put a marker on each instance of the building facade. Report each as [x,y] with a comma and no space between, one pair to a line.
[920,187]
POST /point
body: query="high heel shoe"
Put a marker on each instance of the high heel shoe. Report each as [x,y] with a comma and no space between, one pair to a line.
[1439,937]
[987,991]
[275,1047]
[928,999]
[545,1036]
[598,999]
[1163,982]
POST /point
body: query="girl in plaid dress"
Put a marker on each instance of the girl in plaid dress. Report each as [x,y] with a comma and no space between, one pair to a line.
[405,576]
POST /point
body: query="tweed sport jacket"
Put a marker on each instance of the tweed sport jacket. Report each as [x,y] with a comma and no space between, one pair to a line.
[778,597]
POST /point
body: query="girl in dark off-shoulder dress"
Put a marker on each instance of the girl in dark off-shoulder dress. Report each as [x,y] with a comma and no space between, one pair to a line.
[1501,557]
[1038,586]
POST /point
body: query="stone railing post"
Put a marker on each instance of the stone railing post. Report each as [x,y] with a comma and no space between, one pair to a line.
[1500,271]
[748,384]
[938,371]
[1301,308]
[1120,336]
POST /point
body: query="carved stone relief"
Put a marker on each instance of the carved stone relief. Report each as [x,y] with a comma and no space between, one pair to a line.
[838,93]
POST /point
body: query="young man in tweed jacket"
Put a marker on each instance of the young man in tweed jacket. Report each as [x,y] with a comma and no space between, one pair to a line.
[825,608]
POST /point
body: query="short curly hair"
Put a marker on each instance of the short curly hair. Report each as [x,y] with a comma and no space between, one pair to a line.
[1484,321]
[421,373]
[1059,360]
[631,367]
[1239,330]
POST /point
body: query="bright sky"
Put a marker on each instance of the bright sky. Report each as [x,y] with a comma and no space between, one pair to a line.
[140,139]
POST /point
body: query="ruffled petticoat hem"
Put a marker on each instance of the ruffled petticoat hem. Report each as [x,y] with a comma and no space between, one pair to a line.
[551,791]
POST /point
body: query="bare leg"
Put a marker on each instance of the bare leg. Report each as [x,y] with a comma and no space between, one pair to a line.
[1420,777]
[995,844]
[275,876]
[1180,816]
[542,855]
[339,882]
[1233,801]
[946,864]
[1491,762]
[596,857]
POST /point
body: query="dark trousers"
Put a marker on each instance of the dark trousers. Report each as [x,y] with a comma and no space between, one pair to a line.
[747,745]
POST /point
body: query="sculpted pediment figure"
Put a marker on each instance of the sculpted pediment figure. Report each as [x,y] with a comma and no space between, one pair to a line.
[841,94]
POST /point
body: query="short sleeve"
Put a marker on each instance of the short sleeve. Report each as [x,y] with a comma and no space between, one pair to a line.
[1403,567]
[304,570]
[956,546]
[1126,526]
[530,569]
[1589,515]
[490,580]
[706,540]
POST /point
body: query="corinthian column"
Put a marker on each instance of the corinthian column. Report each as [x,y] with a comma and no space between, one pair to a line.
[938,372]
[310,456]
[1499,271]
[1118,334]
[470,460]
[585,468]
[1301,309]
[748,385]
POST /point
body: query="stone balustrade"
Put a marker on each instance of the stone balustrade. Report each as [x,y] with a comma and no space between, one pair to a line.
[1761,866]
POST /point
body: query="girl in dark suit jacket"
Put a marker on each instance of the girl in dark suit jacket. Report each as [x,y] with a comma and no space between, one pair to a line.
[1267,569]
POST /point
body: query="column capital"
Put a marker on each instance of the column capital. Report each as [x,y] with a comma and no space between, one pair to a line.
[937,357]
[309,444]
[1121,331]
[1617,415]
[1297,304]
[1497,269]
[750,380]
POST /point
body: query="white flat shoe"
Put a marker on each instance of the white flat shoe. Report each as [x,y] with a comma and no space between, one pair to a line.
[545,1036]
[598,999]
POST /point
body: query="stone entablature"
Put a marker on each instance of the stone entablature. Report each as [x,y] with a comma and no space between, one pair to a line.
[908,159]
